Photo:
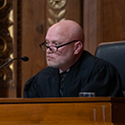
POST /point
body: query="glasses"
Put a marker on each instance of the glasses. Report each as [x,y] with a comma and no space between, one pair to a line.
[54,49]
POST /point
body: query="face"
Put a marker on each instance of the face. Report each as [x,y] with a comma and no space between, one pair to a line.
[64,57]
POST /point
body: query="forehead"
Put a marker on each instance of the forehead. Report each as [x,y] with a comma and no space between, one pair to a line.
[57,33]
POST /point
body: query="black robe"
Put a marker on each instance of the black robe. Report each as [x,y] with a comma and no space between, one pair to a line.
[88,74]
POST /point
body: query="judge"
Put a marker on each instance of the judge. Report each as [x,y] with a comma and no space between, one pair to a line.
[71,69]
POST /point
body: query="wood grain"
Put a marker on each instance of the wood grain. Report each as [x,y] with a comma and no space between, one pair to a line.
[60,111]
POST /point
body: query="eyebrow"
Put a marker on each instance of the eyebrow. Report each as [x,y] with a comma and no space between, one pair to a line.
[54,41]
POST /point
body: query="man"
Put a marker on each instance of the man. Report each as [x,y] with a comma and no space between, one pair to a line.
[84,73]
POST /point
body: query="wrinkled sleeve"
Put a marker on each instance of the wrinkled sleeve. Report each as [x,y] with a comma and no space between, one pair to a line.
[104,81]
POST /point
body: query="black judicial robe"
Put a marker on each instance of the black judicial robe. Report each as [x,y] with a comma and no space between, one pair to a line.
[88,74]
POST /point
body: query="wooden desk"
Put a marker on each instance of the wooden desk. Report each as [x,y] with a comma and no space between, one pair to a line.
[63,111]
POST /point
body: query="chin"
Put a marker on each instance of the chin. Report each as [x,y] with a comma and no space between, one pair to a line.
[50,64]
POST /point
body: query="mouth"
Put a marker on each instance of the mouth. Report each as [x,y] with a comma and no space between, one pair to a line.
[49,58]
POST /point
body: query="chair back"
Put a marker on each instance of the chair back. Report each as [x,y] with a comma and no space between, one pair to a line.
[114,52]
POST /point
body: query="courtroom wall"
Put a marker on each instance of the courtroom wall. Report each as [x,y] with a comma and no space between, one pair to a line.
[102,21]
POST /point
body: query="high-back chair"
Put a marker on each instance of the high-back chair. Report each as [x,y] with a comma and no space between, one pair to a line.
[114,52]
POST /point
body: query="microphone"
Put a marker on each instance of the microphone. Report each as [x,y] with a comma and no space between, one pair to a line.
[22,58]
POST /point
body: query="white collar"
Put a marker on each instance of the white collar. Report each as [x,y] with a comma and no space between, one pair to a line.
[60,71]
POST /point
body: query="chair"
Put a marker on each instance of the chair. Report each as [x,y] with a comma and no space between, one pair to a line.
[114,52]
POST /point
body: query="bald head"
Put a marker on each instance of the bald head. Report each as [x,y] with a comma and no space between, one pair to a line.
[64,42]
[68,29]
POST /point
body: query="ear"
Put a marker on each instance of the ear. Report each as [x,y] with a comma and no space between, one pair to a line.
[78,46]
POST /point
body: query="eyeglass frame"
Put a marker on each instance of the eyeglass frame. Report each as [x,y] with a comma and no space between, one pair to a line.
[57,47]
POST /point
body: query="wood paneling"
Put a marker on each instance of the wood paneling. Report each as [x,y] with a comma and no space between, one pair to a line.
[55,111]
[63,111]
[104,21]
[33,26]
[90,24]
[113,20]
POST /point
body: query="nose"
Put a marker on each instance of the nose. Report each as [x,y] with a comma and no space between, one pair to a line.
[49,50]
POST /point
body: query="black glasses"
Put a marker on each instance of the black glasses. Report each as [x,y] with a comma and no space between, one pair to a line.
[54,49]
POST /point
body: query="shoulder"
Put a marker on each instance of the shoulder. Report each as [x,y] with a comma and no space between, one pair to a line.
[96,63]
[42,75]
[47,71]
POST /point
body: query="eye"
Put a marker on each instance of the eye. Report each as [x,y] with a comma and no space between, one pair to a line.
[47,43]
[56,43]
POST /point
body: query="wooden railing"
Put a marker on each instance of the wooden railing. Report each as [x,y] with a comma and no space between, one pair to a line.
[63,111]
